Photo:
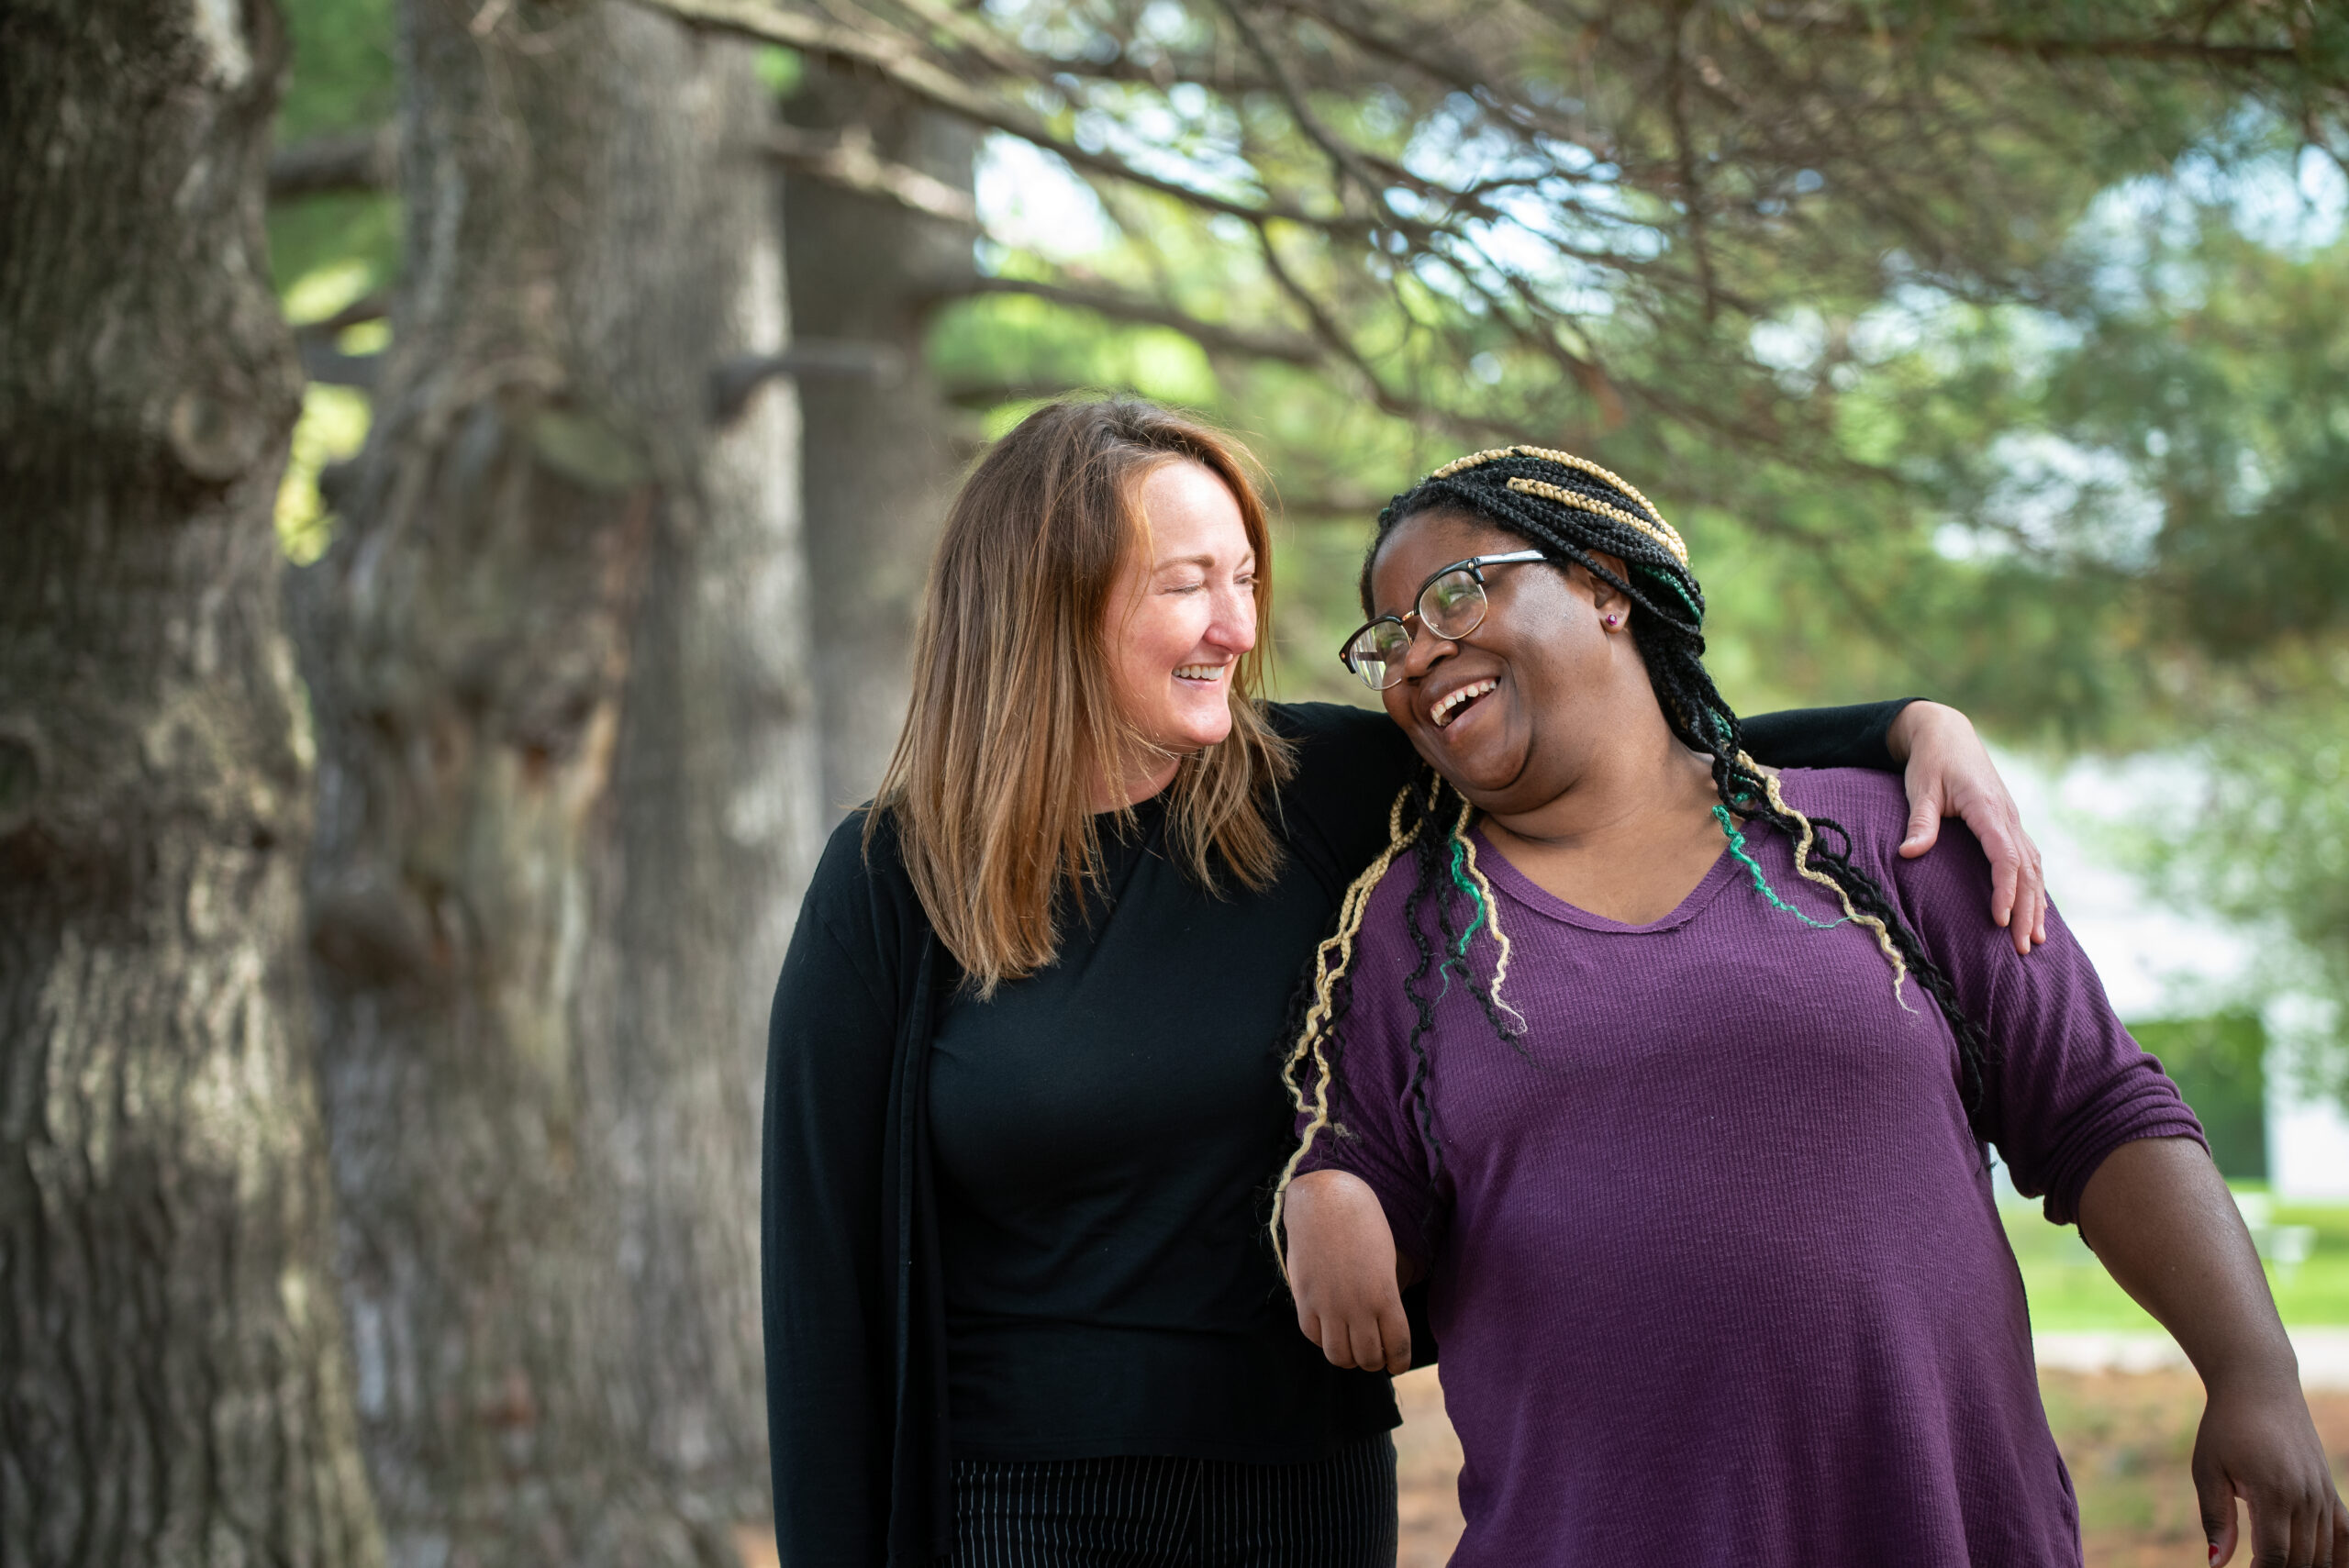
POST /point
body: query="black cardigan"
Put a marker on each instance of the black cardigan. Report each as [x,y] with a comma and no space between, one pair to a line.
[857,1429]
[855,1344]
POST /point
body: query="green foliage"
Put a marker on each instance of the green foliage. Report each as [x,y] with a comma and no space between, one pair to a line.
[343,81]
[2219,1064]
[332,428]
[780,69]
[323,233]
[328,252]
[2268,840]
[343,77]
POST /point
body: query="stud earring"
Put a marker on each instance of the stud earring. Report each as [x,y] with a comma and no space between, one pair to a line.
[1614,621]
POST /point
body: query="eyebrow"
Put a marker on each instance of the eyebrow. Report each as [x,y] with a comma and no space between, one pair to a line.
[1247,559]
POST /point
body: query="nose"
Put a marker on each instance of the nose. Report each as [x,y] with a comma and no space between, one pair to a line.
[1427,647]
[1233,624]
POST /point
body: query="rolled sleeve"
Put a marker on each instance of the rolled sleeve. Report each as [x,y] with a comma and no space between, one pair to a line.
[1374,1132]
[2069,1084]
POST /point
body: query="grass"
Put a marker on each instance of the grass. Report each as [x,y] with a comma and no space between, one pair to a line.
[2069,1290]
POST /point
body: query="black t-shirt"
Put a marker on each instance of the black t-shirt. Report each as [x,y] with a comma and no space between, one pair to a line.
[1105,1133]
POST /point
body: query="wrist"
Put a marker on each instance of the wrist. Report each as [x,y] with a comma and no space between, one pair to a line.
[1909,726]
[2254,1372]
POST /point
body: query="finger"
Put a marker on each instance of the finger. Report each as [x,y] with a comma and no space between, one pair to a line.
[1396,1330]
[1337,1345]
[1998,832]
[2271,1533]
[2035,873]
[2217,1505]
[2030,924]
[2022,926]
[1370,1351]
[1316,1330]
[1924,822]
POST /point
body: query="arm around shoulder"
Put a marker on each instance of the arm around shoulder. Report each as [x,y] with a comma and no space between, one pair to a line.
[1946,770]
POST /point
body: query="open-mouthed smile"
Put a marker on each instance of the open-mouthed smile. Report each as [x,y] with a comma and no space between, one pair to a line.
[1206,674]
[1455,701]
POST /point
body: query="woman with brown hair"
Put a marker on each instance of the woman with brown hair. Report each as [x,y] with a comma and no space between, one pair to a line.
[1023,1107]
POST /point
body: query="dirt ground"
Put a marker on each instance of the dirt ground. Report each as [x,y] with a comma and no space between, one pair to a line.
[2125,1436]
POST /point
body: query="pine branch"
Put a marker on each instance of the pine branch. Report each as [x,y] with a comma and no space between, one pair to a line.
[1213,336]
[850,161]
[925,79]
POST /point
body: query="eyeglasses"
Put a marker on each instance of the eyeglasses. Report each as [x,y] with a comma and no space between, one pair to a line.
[1450,604]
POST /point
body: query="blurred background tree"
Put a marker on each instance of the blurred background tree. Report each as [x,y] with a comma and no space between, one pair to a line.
[556,646]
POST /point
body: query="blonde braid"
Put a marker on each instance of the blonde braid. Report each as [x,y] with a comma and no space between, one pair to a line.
[1310,1037]
[1812,873]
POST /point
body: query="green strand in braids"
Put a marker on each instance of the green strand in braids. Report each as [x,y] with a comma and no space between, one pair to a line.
[1458,958]
[1476,897]
[1754,868]
[1666,578]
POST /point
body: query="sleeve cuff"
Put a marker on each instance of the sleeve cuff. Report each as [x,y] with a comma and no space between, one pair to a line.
[2063,1202]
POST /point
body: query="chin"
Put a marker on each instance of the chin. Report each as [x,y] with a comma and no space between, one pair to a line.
[1482,781]
[1198,732]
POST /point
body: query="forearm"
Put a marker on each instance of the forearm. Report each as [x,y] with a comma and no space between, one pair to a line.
[1345,1272]
[1856,736]
[2162,1222]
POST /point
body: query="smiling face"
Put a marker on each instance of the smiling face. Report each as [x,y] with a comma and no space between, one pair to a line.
[1511,713]
[1182,611]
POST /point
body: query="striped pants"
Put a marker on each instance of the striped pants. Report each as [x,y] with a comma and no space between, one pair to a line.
[1149,1511]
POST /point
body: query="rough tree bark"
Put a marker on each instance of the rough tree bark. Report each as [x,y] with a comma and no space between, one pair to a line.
[883,456]
[567,796]
[173,1389]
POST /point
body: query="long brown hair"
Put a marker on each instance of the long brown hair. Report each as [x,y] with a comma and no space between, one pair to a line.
[1014,709]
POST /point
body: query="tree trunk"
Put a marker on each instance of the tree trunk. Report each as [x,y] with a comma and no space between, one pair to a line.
[567,796]
[885,463]
[172,1388]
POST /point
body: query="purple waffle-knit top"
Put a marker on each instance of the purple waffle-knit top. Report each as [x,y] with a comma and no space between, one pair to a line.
[1717,1272]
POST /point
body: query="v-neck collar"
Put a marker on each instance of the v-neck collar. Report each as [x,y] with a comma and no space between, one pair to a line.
[1503,873]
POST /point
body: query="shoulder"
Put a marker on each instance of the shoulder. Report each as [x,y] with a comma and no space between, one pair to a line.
[1349,764]
[860,855]
[1871,806]
[859,892]
[1327,723]
[1343,748]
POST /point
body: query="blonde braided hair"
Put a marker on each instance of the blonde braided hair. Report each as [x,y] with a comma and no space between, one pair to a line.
[1313,1034]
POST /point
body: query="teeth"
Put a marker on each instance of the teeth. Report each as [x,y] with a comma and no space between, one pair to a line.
[1199,671]
[1451,700]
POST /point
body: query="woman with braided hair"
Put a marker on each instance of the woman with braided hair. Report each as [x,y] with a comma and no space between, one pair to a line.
[1023,1100]
[1677,1082]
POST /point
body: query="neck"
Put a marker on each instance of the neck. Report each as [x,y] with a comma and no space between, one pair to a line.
[1627,789]
[1146,779]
